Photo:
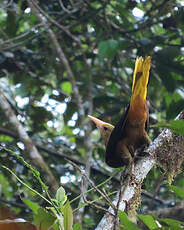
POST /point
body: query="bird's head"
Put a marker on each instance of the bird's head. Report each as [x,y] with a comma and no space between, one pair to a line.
[105,128]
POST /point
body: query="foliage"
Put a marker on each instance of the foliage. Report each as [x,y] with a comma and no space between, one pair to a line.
[175,126]
[150,221]
[60,216]
[53,90]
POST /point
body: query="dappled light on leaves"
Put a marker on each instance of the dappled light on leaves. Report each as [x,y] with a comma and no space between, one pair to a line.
[59,62]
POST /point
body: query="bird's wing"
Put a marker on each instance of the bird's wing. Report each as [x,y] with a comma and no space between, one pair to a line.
[147,121]
[112,158]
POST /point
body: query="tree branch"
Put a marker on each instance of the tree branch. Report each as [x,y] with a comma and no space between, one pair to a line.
[165,142]
[87,144]
[61,57]
[34,155]
[173,212]
[36,6]
[13,134]
[94,169]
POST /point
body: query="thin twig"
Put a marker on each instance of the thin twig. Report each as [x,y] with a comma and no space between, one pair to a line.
[55,23]
[96,200]
[165,142]
[20,36]
[65,9]
[31,189]
[93,202]
[18,44]
[34,155]
[160,180]
[10,133]
[92,184]
[61,57]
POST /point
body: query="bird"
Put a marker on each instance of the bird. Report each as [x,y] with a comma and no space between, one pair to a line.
[123,140]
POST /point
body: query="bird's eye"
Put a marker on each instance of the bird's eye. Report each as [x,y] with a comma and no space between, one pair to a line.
[105,128]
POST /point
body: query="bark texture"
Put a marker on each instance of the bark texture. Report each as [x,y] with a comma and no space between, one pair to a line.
[166,142]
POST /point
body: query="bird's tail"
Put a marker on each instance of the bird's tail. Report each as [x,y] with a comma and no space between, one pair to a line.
[140,77]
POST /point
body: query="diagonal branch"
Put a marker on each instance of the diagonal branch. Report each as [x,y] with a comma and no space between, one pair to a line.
[45,19]
[55,23]
[34,155]
[61,56]
[92,184]
[165,142]
[62,155]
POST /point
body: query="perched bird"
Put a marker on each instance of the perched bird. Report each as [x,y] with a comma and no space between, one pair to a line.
[130,133]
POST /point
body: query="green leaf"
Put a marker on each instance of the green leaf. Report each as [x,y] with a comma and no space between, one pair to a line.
[174,107]
[66,87]
[77,226]
[81,204]
[175,126]
[43,219]
[127,224]
[68,216]
[148,221]
[172,223]
[55,226]
[4,181]
[178,191]
[4,138]
[107,49]
[88,221]
[32,205]
[61,195]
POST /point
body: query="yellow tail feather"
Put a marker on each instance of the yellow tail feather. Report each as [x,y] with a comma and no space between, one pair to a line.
[140,77]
